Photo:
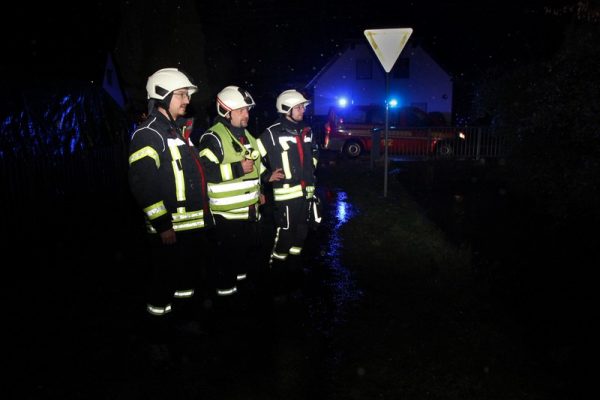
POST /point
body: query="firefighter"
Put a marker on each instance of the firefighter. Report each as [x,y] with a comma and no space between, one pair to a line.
[233,164]
[168,182]
[288,145]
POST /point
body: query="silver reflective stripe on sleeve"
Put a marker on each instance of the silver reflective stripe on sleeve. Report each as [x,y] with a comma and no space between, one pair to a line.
[226,292]
[158,310]
[155,210]
[241,277]
[279,256]
[183,294]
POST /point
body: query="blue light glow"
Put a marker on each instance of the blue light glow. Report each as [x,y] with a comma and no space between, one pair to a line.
[344,289]
[343,102]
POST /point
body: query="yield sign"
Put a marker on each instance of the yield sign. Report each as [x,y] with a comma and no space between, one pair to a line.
[388,44]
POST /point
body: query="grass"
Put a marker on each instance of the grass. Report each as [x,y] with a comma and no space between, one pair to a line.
[393,233]
[425,326]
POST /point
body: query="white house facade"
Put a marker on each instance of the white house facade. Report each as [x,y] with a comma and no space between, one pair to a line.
[356,77]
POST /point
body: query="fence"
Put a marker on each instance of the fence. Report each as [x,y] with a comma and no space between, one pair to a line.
[53,189]
[444,143]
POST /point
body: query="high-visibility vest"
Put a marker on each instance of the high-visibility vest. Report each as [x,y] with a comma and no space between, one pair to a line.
[237,194]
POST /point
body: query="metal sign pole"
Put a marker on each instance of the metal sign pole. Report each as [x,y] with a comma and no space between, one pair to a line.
[387,45]
[387,113]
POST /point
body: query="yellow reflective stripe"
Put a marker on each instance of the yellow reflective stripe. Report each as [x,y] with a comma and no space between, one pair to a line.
[155,210]
[185,216]
[261,148]
[238,213]
[184,226]
[226,172]
[287,189]
[177,172]
[315,162]
[295,250]
[247,198]
[233,186]
[181,226]
[235,194]
[283,142]
[228,215]
[310,192]
[288,196]
[210,155]
[286,165]
[241,210]
[145,152]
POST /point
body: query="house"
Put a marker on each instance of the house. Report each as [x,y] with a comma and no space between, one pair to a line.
[355,76]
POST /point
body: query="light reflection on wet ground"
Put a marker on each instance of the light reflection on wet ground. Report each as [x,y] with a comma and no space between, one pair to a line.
[333,285]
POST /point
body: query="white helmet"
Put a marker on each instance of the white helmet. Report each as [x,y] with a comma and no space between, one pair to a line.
[164,81]
[289,99]
[232,98]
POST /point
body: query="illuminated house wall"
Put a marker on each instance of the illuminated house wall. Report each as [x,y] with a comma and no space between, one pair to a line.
[357,75]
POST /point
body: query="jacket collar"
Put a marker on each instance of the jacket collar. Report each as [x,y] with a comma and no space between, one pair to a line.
[164,123]
[237,132]
[291,126]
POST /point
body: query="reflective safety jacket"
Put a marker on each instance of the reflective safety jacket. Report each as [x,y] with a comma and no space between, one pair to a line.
[232,193]
[166,177]
[288,145]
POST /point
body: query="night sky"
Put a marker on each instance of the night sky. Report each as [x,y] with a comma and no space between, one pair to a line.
[291,41]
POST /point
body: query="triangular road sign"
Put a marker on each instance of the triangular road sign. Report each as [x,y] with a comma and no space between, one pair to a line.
[388,44]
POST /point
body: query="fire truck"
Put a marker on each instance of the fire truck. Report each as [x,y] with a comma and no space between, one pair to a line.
[411,131]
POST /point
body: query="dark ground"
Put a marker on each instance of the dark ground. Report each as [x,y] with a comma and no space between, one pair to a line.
[375,321]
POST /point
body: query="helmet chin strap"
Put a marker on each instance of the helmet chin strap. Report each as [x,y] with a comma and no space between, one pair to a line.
[170,117]
[164,104]
[151,105]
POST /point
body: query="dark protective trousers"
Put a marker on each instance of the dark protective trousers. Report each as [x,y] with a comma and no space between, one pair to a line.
[177,271]
[291,219]
[236,243]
